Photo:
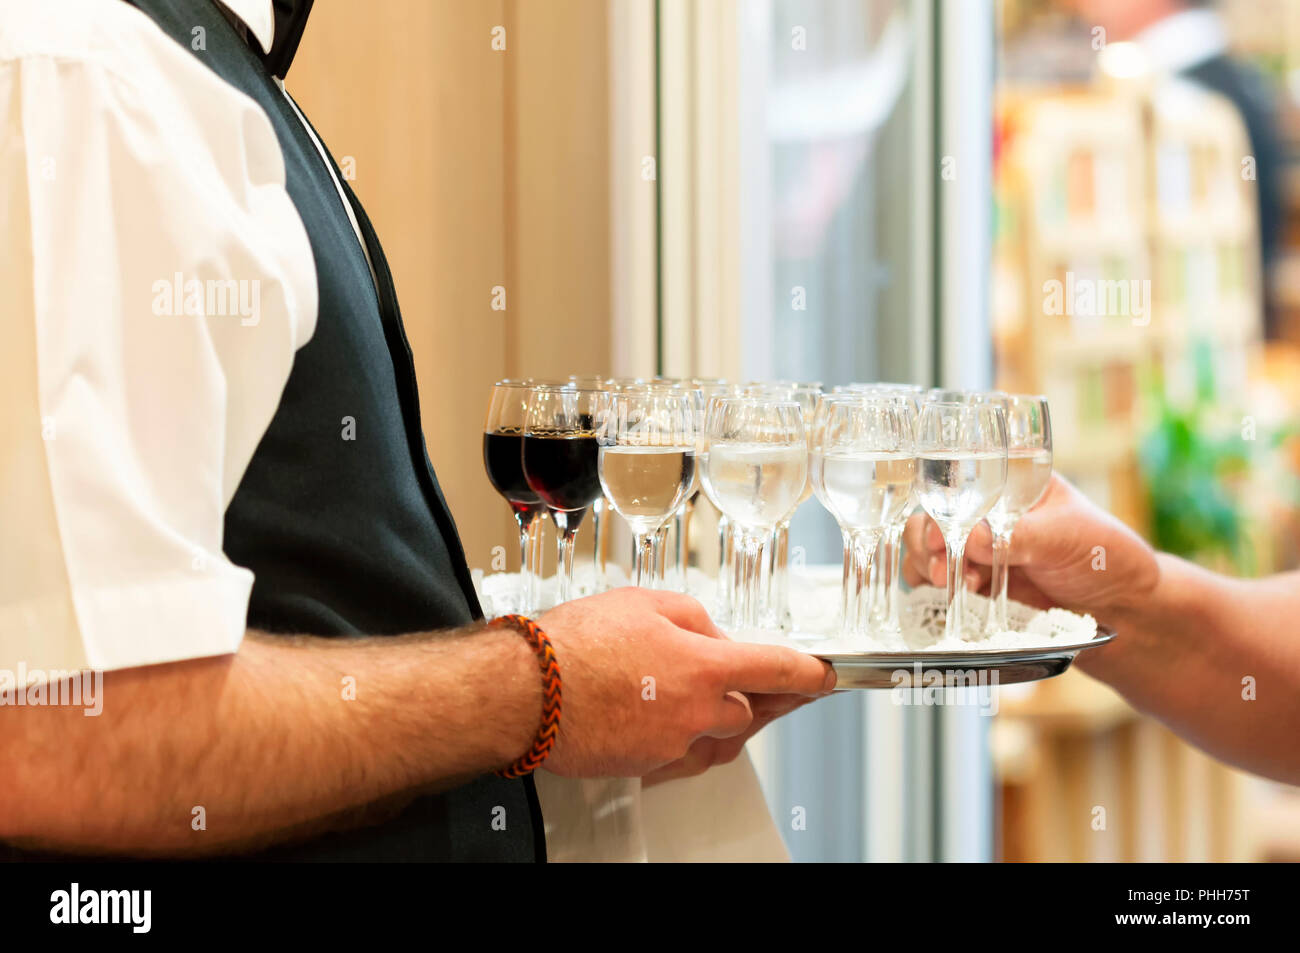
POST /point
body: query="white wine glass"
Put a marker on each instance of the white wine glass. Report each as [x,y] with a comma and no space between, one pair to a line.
[961,469]
[647,464]
[1029,470]
[755,473]
[865,471]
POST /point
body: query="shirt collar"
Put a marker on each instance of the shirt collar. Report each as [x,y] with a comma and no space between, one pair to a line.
[258,16]
[1183,40]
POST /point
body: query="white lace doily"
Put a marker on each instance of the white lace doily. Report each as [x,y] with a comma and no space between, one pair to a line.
[815,607]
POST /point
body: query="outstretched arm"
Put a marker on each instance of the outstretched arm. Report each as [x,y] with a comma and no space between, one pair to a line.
[1215,658]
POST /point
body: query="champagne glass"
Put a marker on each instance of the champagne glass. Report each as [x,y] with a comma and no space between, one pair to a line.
[503,437]
[561,461]
[961,469]
[756,470]
[1029,469]
[864,472]
[647,464]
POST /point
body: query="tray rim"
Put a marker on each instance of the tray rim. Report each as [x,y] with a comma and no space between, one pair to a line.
[1105,633]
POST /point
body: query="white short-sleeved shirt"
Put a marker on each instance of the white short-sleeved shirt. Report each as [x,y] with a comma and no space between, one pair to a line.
[155,283]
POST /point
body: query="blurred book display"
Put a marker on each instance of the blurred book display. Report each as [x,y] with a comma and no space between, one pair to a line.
[1129,290]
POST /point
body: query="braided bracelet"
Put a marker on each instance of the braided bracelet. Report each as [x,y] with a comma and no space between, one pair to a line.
[550,669]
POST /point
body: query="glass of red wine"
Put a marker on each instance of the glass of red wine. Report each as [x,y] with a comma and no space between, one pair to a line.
[503,440]
[561,460]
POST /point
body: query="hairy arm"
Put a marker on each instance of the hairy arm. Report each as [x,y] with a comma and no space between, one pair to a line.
[1215,658]
[265,741]
[1218,660]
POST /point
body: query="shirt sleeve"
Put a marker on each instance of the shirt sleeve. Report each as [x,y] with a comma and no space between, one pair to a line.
[155,282]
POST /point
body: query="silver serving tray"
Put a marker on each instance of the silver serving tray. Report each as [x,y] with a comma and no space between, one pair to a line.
[925,669]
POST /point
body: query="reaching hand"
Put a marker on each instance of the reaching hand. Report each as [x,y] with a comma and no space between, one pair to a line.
[1066,552]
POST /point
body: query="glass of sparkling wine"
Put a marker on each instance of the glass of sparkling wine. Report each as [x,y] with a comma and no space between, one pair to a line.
[961,469]
[1029,469]
[756,470]
[647,464]
[865,469]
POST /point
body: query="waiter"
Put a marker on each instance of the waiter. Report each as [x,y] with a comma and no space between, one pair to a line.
[195,305]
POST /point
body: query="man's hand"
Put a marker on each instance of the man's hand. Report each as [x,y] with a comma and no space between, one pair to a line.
[650,681]
[707,751]
[1066,552]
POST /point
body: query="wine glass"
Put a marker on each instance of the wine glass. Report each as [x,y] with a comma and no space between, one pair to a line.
[598,505]
[714,391]
[848,593]
[647,464]
[806,396]
[865,470]
[561,461]
[886,591]
[1029,469]
[961,468]
[698,392]
[503,437]
[756,470]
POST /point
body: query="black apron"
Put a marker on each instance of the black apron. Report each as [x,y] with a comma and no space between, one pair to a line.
[349,538]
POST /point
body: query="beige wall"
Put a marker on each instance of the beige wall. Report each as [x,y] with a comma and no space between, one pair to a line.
[479,168]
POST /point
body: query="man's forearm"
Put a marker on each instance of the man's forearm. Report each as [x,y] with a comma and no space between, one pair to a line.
[275,740]
[1218,660]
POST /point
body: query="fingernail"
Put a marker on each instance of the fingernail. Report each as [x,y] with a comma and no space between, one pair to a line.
[828,686]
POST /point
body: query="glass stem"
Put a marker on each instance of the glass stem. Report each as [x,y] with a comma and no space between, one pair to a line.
[535,562]
[598,542]
[867,545]
[893,567]
[997,620]
[725,569]
[751,570]
[643,558]
[778,583]
[564,557]
[848,603]
[876,589]
[525,522]
[952,628]
[684,513]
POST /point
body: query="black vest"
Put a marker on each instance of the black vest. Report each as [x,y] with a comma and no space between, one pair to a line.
[351,537]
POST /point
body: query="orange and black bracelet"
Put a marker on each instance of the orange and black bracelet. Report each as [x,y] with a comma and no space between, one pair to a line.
[550,669]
